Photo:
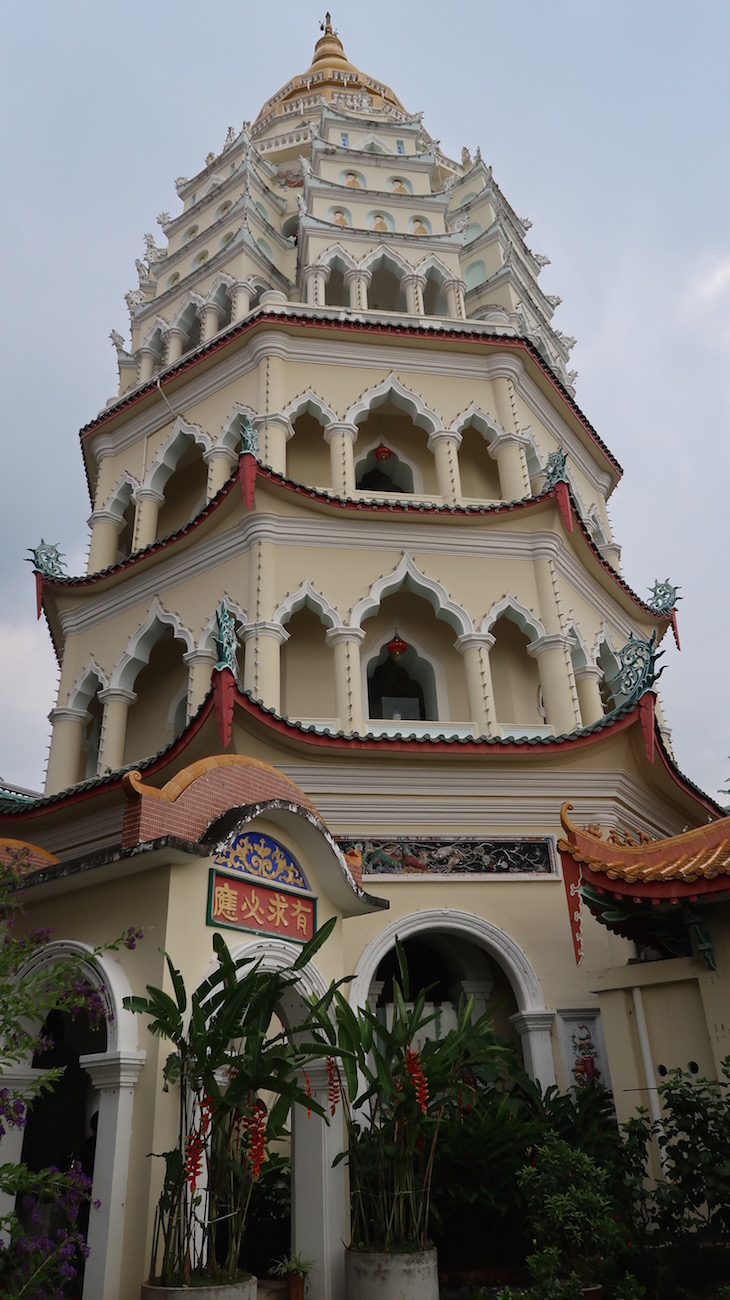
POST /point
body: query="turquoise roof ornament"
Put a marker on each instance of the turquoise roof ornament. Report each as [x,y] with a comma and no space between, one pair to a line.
[226,642]
[638,671]
[249,437]
[663,597]
[555,471]
[47,560]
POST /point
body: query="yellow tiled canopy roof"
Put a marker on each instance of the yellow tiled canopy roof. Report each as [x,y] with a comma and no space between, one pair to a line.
[700,854]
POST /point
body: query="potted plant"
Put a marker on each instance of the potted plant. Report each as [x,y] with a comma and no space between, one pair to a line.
[295,1269]
[396,1096]
[236,1082]
[571,1214]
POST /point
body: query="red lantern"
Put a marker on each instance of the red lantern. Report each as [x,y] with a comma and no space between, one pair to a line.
[382,452]
[397,647]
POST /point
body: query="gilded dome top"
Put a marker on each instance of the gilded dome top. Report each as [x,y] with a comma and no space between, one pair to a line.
[330,73]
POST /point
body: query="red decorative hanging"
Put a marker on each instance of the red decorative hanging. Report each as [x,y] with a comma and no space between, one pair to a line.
[397,647]
[382,452]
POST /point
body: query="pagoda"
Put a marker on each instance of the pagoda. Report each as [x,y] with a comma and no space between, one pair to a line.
[353,624]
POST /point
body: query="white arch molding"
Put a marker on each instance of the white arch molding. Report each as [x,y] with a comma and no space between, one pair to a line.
[391,389]
[114,1074]
[533,1021]
[307,595]
[141,643]
[408,574]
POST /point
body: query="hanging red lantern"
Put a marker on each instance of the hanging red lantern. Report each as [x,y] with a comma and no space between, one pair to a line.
[382,452]
[397,647]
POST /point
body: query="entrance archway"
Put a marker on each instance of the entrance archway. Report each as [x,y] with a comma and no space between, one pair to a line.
[532,1020]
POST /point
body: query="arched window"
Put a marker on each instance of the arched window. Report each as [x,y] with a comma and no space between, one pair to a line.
[160,680]
[479,473]
[307,453]
[185,491]
[434,298]
[380,473]
[515,679]
[307,686]
[403,688]
[385,292]
[336,292]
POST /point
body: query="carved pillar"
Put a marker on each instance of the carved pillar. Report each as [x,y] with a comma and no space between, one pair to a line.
[147,508]
[508,449]
[475,647]
[315,279]
[220,462]
[200,667]
[241,294]
[175,341]
[64,758]
[116,701]
[550,652]
[147,359]
[534,1029]
[454,290]
[114,1075]
[357,282]
[341,439]
[262,662]
[503,404]
[209,316]
[587,681]
[346,642]
[104,540]
[319,1196]
[274,431]
[444,444]
[413,287]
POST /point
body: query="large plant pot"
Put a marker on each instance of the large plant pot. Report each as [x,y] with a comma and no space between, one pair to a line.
[226,1291]
[373,1276]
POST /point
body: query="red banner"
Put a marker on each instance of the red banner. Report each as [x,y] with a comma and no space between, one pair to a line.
[238,904]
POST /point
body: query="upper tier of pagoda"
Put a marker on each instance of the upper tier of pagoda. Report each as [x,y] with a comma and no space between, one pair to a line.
[330,74]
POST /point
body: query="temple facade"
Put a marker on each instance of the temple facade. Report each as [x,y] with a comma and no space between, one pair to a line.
[353,628]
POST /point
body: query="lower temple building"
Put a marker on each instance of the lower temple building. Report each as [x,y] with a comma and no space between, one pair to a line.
[352,633]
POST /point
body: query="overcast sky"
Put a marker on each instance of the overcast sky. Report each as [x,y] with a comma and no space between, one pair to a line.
[606,124]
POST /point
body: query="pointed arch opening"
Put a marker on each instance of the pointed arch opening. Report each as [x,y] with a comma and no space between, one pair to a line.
[479,473]
[307,453]
[609,663]
[307,667]
[386,292]
[181,475]
[161,678]
[85,696]
[398,448]
[434,294]
[518,700]
[375,472]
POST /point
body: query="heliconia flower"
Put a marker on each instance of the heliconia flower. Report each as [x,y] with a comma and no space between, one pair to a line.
[193,1159]
[255,1124]
[414,1070]
[308,1086]
[333,1084]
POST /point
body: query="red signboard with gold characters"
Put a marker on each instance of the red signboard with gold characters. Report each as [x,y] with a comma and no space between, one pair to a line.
[238,904]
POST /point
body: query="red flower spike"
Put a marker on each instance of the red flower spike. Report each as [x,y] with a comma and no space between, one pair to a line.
[333,1084]
[193,1160]
[414,1070]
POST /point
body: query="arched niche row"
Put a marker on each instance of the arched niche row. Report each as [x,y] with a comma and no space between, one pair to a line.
[479,472]
[427,683]
[413,467]
[307,670]
[158,713]
[515,677]
[307,454]
[184,490]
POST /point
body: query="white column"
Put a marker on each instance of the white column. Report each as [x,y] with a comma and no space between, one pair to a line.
[147,359]
[147,508]
[315,279]
[200,667]
[551,654]
[262,662]
[346,642]
[413,286]
[274,431]
[444,444]
[209,316]
[16,1078]
[534,1029]
[357,282]
[104,541]
[175,341]
[454,290]
[241,294]
[116,701]
[475,647]
[64,758]
[341,439]
[220,462]
[587,681]
[114,1075]
[320,1217]
[508,449]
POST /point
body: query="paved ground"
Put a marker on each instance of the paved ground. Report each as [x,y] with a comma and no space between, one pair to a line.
[271,1290]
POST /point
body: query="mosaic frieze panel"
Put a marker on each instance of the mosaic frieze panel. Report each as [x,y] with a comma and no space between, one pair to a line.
[463,856]
[260,855]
